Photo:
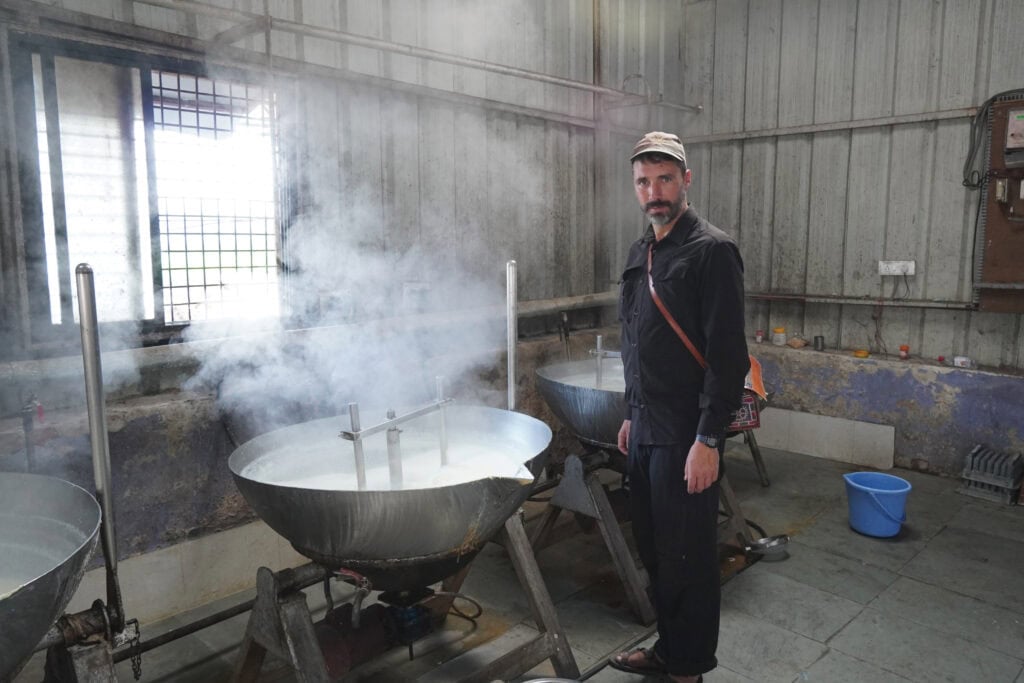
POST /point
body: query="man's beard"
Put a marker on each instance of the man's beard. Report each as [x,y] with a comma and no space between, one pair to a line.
[674,209]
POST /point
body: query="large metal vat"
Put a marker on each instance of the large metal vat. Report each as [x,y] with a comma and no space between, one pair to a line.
[302,479]
[48,531]
[592,409]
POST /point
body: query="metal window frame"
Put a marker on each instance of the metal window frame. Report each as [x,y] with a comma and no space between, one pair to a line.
[43,337]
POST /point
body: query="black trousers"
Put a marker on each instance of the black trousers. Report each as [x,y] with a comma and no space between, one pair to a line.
[677,535]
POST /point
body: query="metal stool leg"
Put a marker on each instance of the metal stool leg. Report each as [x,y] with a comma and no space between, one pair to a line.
[755,453]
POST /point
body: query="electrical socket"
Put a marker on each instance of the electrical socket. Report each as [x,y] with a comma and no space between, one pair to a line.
[896,267]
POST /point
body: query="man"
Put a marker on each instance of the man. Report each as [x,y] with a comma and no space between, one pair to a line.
[678,409]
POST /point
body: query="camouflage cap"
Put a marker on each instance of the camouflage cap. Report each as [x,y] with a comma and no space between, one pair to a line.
[662,143]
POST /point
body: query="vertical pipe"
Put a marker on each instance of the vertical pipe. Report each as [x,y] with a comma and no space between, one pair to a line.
[600,361]
[444,421]
[98,438]
[357,445]
[27,422]
[512,323]
[394,455]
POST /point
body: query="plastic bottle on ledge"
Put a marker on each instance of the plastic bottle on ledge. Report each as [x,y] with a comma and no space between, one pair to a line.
[779,336]
[904,351]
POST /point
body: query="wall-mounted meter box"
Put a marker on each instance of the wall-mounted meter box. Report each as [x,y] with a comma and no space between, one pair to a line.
[999,282]
[1014,150]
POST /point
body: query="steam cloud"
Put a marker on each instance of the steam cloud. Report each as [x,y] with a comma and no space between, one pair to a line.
[383,326]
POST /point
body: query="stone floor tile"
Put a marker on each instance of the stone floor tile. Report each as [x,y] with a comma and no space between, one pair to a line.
[790,604]
[973,563]
[831,532]
[921,653]
[849,578]
[835,667]
[762,651]
[969,618]
[596,629]
[1005,521]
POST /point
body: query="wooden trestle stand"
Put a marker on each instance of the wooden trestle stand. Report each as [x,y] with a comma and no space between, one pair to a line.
[280,623]
[582,492]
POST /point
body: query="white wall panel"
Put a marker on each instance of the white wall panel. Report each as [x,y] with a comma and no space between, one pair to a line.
[867,187]
[693,83]
[830,160]
[730,66]
[875,58]
[723,207]
[799,45]
[757,208]
[833,78]
[761,100]
[1006,46]
[960,50]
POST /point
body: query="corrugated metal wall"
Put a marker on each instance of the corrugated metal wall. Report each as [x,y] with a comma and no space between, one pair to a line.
[473,185]
[813,212]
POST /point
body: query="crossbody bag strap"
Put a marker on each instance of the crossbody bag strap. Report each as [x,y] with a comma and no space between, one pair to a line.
[668,316]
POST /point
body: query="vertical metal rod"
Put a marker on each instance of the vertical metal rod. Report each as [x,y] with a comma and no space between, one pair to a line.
[512,323]
[98,438]
[444,422]
[394,455]
[600,361]
[27,422]
[357,444]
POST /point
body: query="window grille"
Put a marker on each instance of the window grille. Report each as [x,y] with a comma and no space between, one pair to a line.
[215,186]
[162,178]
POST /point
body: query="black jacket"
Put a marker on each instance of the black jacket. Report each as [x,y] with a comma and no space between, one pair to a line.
[698,274]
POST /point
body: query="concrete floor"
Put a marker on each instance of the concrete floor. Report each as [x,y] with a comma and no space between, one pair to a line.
[944,600]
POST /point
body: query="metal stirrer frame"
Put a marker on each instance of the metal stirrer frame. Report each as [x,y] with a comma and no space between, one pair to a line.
[357,444]
[601,354]
[356,436]
[394,455]
[444,422]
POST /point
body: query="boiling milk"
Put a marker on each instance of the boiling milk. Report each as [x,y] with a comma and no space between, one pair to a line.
[326,461]
[611,379]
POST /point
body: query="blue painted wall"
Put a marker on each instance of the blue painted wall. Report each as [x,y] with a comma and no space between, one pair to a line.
[939,413]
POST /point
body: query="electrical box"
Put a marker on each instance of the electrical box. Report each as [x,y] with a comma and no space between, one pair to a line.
[999,269]
[896,267]
[1013,151]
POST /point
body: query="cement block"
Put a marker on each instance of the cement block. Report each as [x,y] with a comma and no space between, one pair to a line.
[832,438]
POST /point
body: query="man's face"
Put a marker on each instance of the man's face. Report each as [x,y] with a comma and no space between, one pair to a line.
[661,189]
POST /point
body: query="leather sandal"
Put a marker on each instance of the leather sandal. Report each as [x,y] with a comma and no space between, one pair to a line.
[651,663]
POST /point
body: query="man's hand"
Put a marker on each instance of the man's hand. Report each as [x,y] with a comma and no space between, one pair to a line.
[624,437]
[701,466]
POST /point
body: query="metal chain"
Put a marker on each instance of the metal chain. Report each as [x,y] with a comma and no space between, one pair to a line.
[136,651]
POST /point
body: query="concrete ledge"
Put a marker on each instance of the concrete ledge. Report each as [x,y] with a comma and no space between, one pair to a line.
[939,413]
[172,580]
[831,438]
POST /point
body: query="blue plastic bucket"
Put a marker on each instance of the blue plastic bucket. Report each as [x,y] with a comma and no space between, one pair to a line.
[877,502]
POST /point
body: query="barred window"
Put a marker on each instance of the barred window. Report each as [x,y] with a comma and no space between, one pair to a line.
[161,179]
[215,183]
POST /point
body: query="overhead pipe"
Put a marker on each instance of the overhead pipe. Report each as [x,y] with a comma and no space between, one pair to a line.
[861,301]
[254,22]
[98,438]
